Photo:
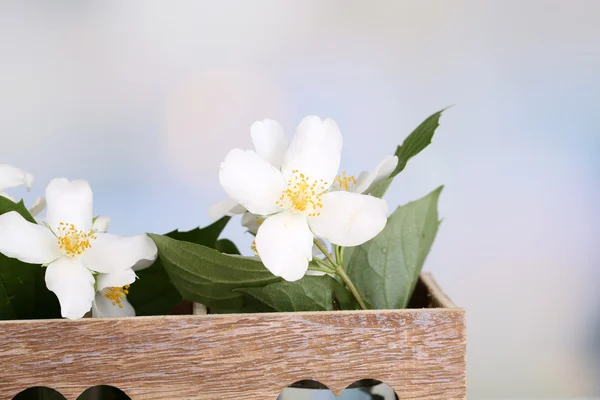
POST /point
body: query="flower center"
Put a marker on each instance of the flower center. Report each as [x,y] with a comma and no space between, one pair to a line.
[345,182]
[116,294]
[303,194]
[72,241]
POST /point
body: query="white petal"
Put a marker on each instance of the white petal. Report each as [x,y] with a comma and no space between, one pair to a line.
[311,272]
[315,150]
[115,279]
[284,244]
[143,264]
[38,206]
[225,207]
[252,181]
[101,224]
[69,202]
[73,284]
[111,253]
[319,273]
[12,177]
[269,140]
[367,182]
[103,307]
[251,222]
[26,241]
[349,219]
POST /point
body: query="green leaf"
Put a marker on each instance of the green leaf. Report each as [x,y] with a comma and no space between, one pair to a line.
[23,292]
[251,305]
[17,288]
[418,140]
[209,277]
[385,269]
[311,293]
[46,305]
[7,205]
[206,236]
[154,293]
[227,246]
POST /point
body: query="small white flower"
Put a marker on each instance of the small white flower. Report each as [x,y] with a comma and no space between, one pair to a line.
[71,249]
[366,181]
[11,177]
[110,300]
[296,200]
[252,222]
[270,143]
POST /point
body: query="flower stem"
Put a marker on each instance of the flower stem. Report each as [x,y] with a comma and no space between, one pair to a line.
[339,254]
[338,266]
[325,266]
[325,252]
[321,269]
[342,274]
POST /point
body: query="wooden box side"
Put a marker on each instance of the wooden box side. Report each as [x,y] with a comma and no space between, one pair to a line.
[420,353]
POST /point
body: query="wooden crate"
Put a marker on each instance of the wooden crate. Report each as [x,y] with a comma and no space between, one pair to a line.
[419,352]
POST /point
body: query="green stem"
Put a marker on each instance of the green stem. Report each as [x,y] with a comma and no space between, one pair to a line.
[339,254]
[316,268]
[330,268]
[325,252]
[342,274]
[339,270]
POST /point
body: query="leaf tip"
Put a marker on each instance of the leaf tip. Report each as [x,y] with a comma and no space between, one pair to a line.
[437,191]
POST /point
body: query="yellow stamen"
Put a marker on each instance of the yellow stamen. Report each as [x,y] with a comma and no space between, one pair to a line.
[72,241]
[303,194]
[116,294]
[253,247]
[345,182]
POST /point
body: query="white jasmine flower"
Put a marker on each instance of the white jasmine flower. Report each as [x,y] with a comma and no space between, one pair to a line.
[71,249]
[111,301]
[270,143]
[296,200]
[11,177]
[366,181]
[252,222]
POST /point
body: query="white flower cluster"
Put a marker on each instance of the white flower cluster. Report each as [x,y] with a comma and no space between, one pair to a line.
[87,268]
[292,194]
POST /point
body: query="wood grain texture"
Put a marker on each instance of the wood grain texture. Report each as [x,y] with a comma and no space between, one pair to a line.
[420,353]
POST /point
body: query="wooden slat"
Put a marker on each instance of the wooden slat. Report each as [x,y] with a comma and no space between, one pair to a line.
[418,352]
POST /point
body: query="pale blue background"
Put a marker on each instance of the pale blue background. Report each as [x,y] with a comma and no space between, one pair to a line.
[144,98]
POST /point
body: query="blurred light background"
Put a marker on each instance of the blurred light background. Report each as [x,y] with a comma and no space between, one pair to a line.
[144,98]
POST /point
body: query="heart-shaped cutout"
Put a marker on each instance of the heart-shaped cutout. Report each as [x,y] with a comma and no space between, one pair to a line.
[100,392]
[364,389]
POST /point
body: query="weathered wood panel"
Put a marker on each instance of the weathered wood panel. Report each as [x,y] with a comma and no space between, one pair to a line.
[418,352]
